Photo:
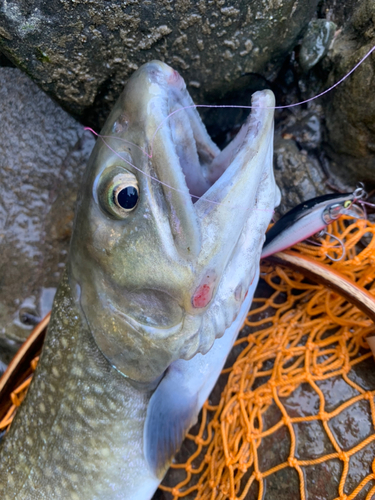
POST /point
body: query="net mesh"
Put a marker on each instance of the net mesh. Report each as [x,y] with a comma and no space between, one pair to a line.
[301,334]
[16,397]
[300,346]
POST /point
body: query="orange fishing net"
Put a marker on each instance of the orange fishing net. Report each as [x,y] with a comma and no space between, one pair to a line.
[16,398]
[298,338]
[294,390]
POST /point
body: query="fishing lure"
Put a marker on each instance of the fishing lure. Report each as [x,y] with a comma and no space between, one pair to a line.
[311,217]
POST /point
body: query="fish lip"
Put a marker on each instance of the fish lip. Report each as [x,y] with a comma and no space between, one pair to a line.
[262,105]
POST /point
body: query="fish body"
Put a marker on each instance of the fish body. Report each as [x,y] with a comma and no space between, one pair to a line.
[164,259]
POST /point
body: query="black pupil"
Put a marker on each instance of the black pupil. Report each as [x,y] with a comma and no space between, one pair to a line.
[127,198]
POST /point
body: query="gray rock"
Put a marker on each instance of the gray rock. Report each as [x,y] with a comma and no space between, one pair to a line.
[298,174]
[316,42]
[42,154]
[297,163]
[350,108]
[83,52]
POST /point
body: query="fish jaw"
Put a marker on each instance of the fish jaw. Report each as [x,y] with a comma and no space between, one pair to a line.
[163,281]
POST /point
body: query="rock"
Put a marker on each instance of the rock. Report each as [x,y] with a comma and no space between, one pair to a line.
[316,42]
[83,52]
[297,162]
[298,175]
[42,154]
[350,108]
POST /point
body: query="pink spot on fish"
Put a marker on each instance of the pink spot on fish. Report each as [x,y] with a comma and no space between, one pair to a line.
[202,296]
[176,80]
[175,77]
[204,292]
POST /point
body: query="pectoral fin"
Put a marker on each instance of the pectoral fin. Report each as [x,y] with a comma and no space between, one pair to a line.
[172,410]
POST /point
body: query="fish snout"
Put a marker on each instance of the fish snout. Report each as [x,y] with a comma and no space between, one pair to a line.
[161,74]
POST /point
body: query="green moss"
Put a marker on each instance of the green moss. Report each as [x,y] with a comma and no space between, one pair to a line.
[41,56]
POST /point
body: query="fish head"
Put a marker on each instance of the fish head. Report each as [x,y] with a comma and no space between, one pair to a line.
[168,229]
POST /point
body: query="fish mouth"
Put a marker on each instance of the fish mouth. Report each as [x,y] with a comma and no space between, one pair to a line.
[219,202]
[196,176]
[200,159]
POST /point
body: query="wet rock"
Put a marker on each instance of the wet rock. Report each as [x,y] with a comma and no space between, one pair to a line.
[316,42]
[305,130]
[42,154]
[298,174]
[83,52]
[350,108]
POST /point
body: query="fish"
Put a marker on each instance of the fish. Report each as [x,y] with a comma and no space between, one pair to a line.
[163,262]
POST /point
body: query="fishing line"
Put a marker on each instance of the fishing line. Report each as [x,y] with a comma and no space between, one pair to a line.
[224,106]
[266,107]
[102,137]
[362,202]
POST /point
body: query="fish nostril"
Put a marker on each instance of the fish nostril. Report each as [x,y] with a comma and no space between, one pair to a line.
[121,124]
[175,79]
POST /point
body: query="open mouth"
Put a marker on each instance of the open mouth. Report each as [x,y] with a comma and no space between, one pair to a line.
[201,161]
[197,178]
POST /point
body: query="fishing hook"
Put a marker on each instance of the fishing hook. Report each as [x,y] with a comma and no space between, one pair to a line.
[332,248]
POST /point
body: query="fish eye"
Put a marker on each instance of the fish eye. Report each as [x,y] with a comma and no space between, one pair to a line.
[126,197]
[118,192]
[347,204]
